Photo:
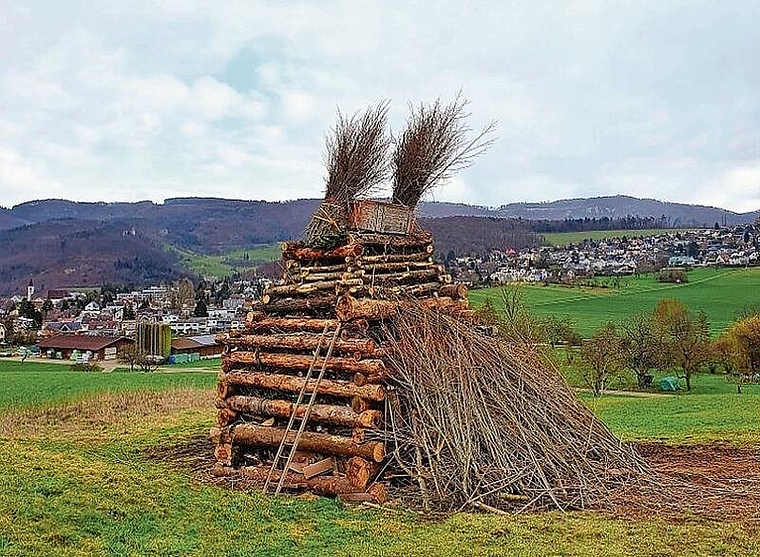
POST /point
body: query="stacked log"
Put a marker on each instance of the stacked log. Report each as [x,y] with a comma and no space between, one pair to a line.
[354,286]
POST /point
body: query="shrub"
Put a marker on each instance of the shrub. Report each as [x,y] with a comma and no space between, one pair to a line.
[673,275]
[86,366]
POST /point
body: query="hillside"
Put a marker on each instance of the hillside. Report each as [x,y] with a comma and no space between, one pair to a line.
[612,207]
[66,243]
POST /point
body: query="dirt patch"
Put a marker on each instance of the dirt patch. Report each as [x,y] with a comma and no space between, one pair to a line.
[713,482]
[195,454]
[717,482]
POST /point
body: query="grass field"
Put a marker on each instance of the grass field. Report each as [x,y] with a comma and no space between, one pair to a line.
[34,384]
[720,293]
[565,238]
[90,464]
[227,263]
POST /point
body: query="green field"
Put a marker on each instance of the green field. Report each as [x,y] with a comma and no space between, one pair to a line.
[92,464]
[721,293]
[565,238]
[32,384]
[227,263]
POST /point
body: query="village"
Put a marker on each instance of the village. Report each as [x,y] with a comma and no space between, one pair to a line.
[84,324]
[628,253]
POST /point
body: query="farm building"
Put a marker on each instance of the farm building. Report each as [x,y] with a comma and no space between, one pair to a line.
[100,347]
[205,346]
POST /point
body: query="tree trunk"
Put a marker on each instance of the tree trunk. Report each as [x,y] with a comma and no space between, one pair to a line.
[400,278]
[288,324]
[299,341]
[422,256]
[298,304]
[301,253]
[309,287]
[302,362]
[292,384]
[296,267]
[325,443]
[403,266]
[393,240]
[331,486]
[348,308]
[454,291]
[359,471]
[321,413]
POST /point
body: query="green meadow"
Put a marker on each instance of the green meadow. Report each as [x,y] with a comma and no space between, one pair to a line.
[96,464]
[227,263]
[721,293]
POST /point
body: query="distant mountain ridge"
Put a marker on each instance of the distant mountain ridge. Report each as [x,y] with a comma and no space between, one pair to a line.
[66,243]
[617,206]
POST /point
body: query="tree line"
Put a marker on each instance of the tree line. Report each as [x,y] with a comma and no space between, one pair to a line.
[671,337]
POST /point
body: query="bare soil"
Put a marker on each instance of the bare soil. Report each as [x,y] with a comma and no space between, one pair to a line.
[717,482]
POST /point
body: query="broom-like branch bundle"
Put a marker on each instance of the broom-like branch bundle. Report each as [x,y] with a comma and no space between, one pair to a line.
[434,146]
[356,161]
[479,422]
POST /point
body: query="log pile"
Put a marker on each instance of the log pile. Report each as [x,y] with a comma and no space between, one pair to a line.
[353,287]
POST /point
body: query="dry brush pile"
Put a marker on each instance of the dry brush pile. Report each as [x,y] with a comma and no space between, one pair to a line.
[477,421]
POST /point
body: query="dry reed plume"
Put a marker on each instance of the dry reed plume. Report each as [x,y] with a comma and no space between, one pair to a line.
[435,144]
[356,153]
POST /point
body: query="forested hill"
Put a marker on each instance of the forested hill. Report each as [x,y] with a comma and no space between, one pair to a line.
[66,243]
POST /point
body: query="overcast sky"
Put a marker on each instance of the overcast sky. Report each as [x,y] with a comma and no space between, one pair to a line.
[143,100]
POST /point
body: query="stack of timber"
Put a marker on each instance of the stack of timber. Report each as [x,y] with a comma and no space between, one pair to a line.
[326,317]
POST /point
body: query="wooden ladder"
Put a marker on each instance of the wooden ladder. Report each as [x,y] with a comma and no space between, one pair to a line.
[306,414]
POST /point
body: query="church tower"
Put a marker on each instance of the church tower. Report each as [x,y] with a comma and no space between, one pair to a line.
[30,291]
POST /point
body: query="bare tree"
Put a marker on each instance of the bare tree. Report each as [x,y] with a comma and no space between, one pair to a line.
[130,356]
[641,346]
[685,337]
[603,359]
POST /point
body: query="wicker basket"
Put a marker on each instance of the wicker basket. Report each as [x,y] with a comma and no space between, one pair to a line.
[377,216]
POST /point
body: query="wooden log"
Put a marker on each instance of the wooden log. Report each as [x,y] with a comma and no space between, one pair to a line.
[288,324]
[225,416]
[307,269]
[320,413]
[359,404]
[418,275]
[302,253]
[286,290]
[359,471]
[299,341]
[417,289]
[286,305]
[454,291]
[325,443]
[292,384]
[392,240]
[254,316]
[348,308]
[301,362]
[380,268]
[337,276]
[377,493]
[332,486]
[223,453]
[422,256]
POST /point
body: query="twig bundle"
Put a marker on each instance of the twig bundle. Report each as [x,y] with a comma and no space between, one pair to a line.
[434,146]
[479,422]
[356,161]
